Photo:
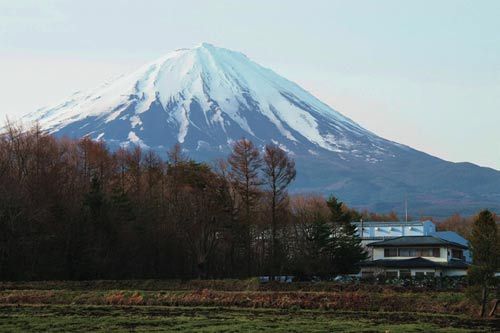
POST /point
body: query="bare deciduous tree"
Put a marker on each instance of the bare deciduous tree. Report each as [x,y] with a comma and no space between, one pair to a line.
[245,162]
[279,171]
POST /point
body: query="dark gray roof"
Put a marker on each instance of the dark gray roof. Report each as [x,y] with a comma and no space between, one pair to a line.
[414,263]
[415,241]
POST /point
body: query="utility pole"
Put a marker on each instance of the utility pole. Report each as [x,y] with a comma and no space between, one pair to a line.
[406,208]
[361,233]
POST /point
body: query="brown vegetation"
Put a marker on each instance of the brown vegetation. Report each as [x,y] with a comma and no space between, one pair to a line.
[360,300]
[72,209]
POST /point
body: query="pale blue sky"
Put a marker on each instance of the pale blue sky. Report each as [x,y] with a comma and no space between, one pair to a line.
[423,73]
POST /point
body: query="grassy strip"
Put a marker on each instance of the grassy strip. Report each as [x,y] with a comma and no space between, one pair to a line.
[82,318]
[222,285]
[427,302]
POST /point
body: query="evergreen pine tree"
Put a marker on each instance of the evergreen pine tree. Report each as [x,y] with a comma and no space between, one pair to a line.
[322,245]
[485,246]
[348,250]
[95,252]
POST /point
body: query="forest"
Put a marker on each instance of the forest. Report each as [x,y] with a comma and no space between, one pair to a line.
[74,209]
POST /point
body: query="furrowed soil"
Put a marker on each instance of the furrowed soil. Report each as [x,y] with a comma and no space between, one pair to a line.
[232,306]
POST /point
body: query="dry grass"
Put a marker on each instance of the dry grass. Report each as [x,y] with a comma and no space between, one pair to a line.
[207,306]
[429,302]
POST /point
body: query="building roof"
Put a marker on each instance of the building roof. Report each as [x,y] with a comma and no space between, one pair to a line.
[418,262]
[390,223]
[450,236]
[415,241]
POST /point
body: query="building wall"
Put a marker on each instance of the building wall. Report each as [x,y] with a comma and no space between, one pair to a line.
[456,272]
[378,253]
[443,254]
[425,271]
[429,228]
[381,230]
[413,271]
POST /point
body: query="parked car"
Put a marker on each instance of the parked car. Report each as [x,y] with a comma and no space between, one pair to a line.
[344,278]
[278,278]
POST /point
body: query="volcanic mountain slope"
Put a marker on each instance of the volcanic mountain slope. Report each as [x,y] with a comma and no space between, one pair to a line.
[207,97]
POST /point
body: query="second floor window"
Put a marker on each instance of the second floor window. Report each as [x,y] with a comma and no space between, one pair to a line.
[412,252]
[390,252]
[459,254]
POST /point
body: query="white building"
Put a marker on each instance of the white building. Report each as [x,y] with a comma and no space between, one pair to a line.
[415,256]
[376,231]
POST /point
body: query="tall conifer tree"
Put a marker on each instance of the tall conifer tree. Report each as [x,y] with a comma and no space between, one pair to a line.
[485,246]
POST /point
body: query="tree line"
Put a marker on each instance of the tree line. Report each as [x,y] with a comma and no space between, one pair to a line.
[73,209]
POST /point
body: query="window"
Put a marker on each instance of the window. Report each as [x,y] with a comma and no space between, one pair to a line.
[390,252]
[430,274]
[419,275]
[412,252]
[404,252]
[459,254]
[425,252]
[404,273]
[391,274]
[428,252]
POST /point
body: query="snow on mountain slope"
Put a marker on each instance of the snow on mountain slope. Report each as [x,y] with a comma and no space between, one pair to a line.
[215,91]
[207,97]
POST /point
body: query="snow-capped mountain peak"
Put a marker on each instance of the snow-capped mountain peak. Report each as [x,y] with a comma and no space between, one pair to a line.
[205,96]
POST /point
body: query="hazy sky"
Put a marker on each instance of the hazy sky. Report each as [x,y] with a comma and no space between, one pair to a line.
[423,73]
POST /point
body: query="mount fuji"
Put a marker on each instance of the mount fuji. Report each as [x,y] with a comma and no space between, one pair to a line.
[207,97]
